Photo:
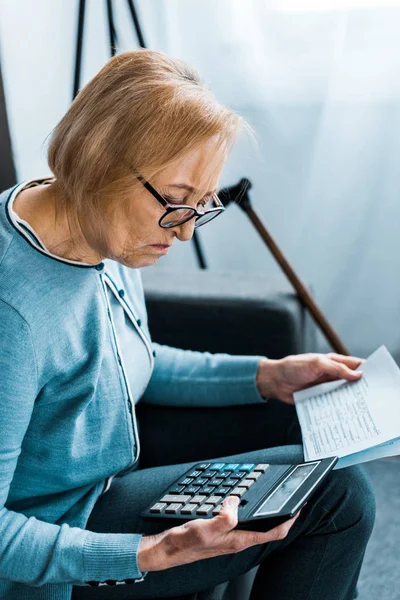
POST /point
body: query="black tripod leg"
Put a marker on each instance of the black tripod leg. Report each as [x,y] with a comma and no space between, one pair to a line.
[136,23]
[199,252]
[79,46]
[111,28]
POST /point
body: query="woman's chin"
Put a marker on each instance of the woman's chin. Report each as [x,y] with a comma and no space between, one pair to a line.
[139,262]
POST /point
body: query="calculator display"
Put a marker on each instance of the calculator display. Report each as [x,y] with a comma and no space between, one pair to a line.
[276,501]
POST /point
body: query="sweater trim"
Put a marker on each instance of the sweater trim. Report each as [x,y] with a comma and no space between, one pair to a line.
[14,221]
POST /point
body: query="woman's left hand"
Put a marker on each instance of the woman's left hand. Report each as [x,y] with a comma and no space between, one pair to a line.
[280,378]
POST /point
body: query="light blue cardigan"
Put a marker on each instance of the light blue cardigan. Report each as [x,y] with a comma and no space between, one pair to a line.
[66,422]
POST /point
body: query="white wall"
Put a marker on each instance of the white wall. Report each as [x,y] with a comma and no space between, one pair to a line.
[321,88]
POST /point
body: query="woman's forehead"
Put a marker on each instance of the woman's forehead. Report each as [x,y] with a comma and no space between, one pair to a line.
[199,170]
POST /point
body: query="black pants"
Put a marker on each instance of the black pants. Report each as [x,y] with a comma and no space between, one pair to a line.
[319,560]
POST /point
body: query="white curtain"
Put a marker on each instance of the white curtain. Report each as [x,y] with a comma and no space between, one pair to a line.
[319,80]
[320,83]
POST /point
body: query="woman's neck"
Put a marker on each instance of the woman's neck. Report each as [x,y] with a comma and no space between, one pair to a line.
[57,227]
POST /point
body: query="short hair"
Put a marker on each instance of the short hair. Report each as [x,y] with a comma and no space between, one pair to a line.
[141,112]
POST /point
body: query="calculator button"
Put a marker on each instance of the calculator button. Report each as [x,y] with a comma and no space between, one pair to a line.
[173,508]
[207,489]
[203,466]
[237,475]
[212,500]
[177,489]
[217,510]
[247,467]
[175,498]
[229,482]
[195,474]
[157,508]
[209,473]
[189,509]
[217,466]
[239,491]
[247,483]
[205,509]
[215,481]
[226,491]
[186,481]
[197,499]
[231,467]
[192,489]
[221,491]
[261,467]
[253,475]
[201,481]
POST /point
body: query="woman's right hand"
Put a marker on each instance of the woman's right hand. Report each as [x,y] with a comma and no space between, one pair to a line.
[203,538]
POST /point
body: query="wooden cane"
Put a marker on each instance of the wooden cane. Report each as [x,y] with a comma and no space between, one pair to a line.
[303,293]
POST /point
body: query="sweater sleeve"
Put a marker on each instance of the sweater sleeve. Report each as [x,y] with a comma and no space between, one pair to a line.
[35,552]
[191,378]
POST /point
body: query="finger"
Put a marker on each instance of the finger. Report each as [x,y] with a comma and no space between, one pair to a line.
[238,540]
[245,539]
[348,374]
[336,370]
[351,361]
[282,530]
[230,505]
[227,518]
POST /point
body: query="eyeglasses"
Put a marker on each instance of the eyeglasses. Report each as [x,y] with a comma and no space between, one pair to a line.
[181,213]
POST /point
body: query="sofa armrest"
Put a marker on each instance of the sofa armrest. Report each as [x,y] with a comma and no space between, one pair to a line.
[235,312]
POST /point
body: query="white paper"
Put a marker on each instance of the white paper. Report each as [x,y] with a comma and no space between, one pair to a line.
[391,448]
[341,418]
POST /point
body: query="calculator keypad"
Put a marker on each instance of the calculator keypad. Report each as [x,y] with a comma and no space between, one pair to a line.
[201,491]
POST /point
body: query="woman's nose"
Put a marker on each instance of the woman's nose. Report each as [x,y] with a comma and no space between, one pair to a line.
[184,232]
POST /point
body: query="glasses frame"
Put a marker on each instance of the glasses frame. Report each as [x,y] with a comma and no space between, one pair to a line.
[169,208]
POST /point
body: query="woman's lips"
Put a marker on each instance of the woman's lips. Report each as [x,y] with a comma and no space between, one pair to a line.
[161,247]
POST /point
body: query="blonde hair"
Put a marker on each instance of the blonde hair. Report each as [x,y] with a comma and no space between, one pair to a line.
[140,113]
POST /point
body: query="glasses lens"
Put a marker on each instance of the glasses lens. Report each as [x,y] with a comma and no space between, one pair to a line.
[177,217]
[207,218]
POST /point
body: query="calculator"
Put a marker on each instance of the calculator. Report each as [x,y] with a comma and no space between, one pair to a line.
[269,494]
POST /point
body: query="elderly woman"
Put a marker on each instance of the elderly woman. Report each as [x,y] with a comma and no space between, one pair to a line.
[136,162]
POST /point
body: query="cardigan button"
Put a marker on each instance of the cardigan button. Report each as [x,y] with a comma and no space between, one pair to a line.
[139,322]
[99,267]
[121,293]
[154,353]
